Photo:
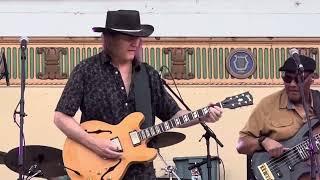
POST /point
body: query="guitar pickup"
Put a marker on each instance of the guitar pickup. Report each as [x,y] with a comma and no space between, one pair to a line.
[117,142]
[134,138]
[265,172]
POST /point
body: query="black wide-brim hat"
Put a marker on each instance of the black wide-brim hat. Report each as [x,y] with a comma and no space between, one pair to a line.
[125,22]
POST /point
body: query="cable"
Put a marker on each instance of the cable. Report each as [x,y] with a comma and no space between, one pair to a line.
[220,160]
[174,82]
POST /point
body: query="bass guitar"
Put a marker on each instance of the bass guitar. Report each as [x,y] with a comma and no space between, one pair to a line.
[292,163]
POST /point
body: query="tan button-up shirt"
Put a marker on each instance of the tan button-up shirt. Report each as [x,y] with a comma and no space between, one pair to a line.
[276,117]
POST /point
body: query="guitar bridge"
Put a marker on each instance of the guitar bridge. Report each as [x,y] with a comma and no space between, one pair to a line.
[265,172]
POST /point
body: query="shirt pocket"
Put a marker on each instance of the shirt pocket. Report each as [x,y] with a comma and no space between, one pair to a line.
[282,122]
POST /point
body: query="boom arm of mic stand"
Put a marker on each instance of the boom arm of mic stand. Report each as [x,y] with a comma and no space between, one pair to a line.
[314,163]
[207,128]
[211,133]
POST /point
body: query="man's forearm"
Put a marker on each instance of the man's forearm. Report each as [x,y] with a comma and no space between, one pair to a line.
[72,129]
[248,145]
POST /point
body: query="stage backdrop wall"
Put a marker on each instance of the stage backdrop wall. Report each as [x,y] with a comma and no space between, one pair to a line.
[40,129]
[205,78]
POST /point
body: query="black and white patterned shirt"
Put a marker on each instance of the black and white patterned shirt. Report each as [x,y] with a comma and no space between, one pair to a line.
[96,86]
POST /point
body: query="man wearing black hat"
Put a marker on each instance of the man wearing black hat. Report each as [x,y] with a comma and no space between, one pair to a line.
[280,115]
[104,88]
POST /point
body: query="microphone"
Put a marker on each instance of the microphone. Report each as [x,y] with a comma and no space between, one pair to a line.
[23,42]
[196,165]
[4,69]
[295,54]
[160,71]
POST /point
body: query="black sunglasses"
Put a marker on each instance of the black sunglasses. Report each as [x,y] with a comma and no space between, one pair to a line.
[289,79]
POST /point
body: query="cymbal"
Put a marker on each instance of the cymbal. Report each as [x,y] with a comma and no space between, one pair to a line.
[47,159]
[167,139]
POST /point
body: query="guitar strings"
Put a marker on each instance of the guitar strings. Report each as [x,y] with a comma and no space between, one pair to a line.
[288,154]
[279,164]
[293,156]
[274,162]
[296,155]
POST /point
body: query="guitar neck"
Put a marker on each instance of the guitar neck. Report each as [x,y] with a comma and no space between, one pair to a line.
[243,99]
[300,152]
[173,123]
[302,149]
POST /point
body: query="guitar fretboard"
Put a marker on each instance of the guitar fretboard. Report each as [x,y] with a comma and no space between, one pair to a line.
[243,99]
[303,148]
[172,123]
[299,152]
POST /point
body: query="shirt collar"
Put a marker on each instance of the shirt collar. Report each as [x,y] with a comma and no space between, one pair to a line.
[106,58]
[285,103]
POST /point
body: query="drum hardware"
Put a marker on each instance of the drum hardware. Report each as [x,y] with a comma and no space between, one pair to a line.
[166,139]
[39,161]
[33,172]
[170,170]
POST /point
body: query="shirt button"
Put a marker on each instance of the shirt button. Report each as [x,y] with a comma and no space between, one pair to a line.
[116,72]
[122,88]
[126,104]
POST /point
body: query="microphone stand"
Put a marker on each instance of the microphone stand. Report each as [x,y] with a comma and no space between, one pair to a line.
[22,114]
[209,133]
[312,151]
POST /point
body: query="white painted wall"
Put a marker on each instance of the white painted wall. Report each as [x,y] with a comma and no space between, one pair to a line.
[191,18]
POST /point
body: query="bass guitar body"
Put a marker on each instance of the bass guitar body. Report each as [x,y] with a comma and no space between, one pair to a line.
[292,164]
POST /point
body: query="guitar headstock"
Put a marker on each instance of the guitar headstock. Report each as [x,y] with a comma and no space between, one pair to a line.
[243,99]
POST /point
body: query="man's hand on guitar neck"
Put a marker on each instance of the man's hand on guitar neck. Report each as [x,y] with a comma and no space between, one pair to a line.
[274,148]
[215,113]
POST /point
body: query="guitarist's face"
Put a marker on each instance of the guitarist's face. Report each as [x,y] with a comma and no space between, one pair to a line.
[291,85]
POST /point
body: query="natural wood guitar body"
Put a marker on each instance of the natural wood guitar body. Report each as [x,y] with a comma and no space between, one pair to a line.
[93,167]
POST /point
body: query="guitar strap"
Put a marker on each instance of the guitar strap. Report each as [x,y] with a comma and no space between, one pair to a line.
[142,95]
[316,102]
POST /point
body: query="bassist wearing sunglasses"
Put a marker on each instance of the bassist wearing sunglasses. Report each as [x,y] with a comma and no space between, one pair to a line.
[276,130]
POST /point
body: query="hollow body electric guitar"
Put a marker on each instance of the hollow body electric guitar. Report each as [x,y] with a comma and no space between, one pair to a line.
[130,140]
[292,163]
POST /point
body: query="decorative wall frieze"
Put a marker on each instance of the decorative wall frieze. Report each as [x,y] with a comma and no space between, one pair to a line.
[52,63]
[178,63]
[192,61]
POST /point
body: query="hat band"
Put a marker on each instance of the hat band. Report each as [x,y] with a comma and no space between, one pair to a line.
[127,30]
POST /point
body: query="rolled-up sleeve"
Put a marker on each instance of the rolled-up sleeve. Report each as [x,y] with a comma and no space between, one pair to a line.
[254,126]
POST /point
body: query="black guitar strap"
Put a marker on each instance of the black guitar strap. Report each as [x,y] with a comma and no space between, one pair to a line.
[142,94]
[316,102]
